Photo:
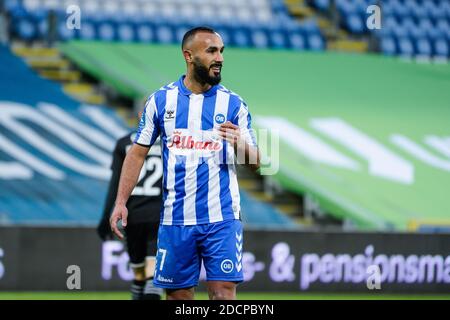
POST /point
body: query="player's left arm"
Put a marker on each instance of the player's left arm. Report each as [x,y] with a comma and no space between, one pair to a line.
[240,135]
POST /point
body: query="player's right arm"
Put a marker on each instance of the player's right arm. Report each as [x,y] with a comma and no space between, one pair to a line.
[145,137]
[131,168]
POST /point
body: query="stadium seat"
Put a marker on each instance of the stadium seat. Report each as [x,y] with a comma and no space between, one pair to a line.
[399,9]
[130,9]
[355,23]
[106,31]
[415,9]
[63,32]
[441,48]
[389,24]
[88,31]
[277,39]
[322,4]
[405,47]
[309,26]
[432,10]
[443,25]
[409,28]
[259,23]
[428,28]
[241,38]
[126,32]
[388,9]
[26,28]
[145,33]
[296,41]
[31,5]
[444,6]
[423,47]
[259,39]
[180,30]
[315,42]
[346,7]
[164,34]
[11,5]
[388,46]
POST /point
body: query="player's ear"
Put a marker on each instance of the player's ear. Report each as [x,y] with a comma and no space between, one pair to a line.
[187,55]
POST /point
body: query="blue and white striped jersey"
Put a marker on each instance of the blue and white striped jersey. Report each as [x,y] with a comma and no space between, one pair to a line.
[199,175]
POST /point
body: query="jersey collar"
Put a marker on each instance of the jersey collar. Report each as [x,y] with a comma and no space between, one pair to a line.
[187,92]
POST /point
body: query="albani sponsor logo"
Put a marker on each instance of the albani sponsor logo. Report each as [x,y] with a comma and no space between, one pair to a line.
[180,141]
[162,279]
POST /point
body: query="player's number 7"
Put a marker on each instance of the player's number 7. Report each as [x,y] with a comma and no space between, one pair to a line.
[163,251]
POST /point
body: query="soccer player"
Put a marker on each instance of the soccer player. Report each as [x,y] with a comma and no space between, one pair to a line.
[143,221]
[204,128]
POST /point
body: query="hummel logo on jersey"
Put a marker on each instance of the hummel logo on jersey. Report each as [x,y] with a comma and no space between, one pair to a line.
[170,114]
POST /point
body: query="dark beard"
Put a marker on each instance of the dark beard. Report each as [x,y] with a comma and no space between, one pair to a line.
[201,75]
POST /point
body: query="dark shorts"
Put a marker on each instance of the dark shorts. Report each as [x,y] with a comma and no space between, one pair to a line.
[141,240]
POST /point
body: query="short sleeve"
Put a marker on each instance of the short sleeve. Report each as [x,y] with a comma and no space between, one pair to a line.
[148,130]
[244,120]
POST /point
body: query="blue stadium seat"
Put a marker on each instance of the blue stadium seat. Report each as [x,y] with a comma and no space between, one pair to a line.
[296,41]
[445,7]
[423,47]
[441,48]
[417,31]
[88,31]
[346,7]
[259,38]
[322,4]
[106,31]
[432,10]
[415,9]
[259,214]
[277,39]
[361,6]
[180,30]
[388,9]
[126,32]
[11,5]
[315,42]
[26,28]
[400,30]
[241,38]
[310,26]
[242,23]
[444,26]
[388,46]
[17,13]
[63,32]
[405,47]
[399,9]
[355,23]
[145,33]
[430,29]
[164,34]
[389,26]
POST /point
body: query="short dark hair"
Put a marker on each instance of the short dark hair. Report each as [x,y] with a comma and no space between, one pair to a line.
[191,33]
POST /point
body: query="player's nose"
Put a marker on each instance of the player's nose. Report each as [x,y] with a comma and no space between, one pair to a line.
[219,57]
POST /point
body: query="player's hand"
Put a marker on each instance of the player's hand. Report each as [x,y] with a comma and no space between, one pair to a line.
[120,212]
[230,132]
